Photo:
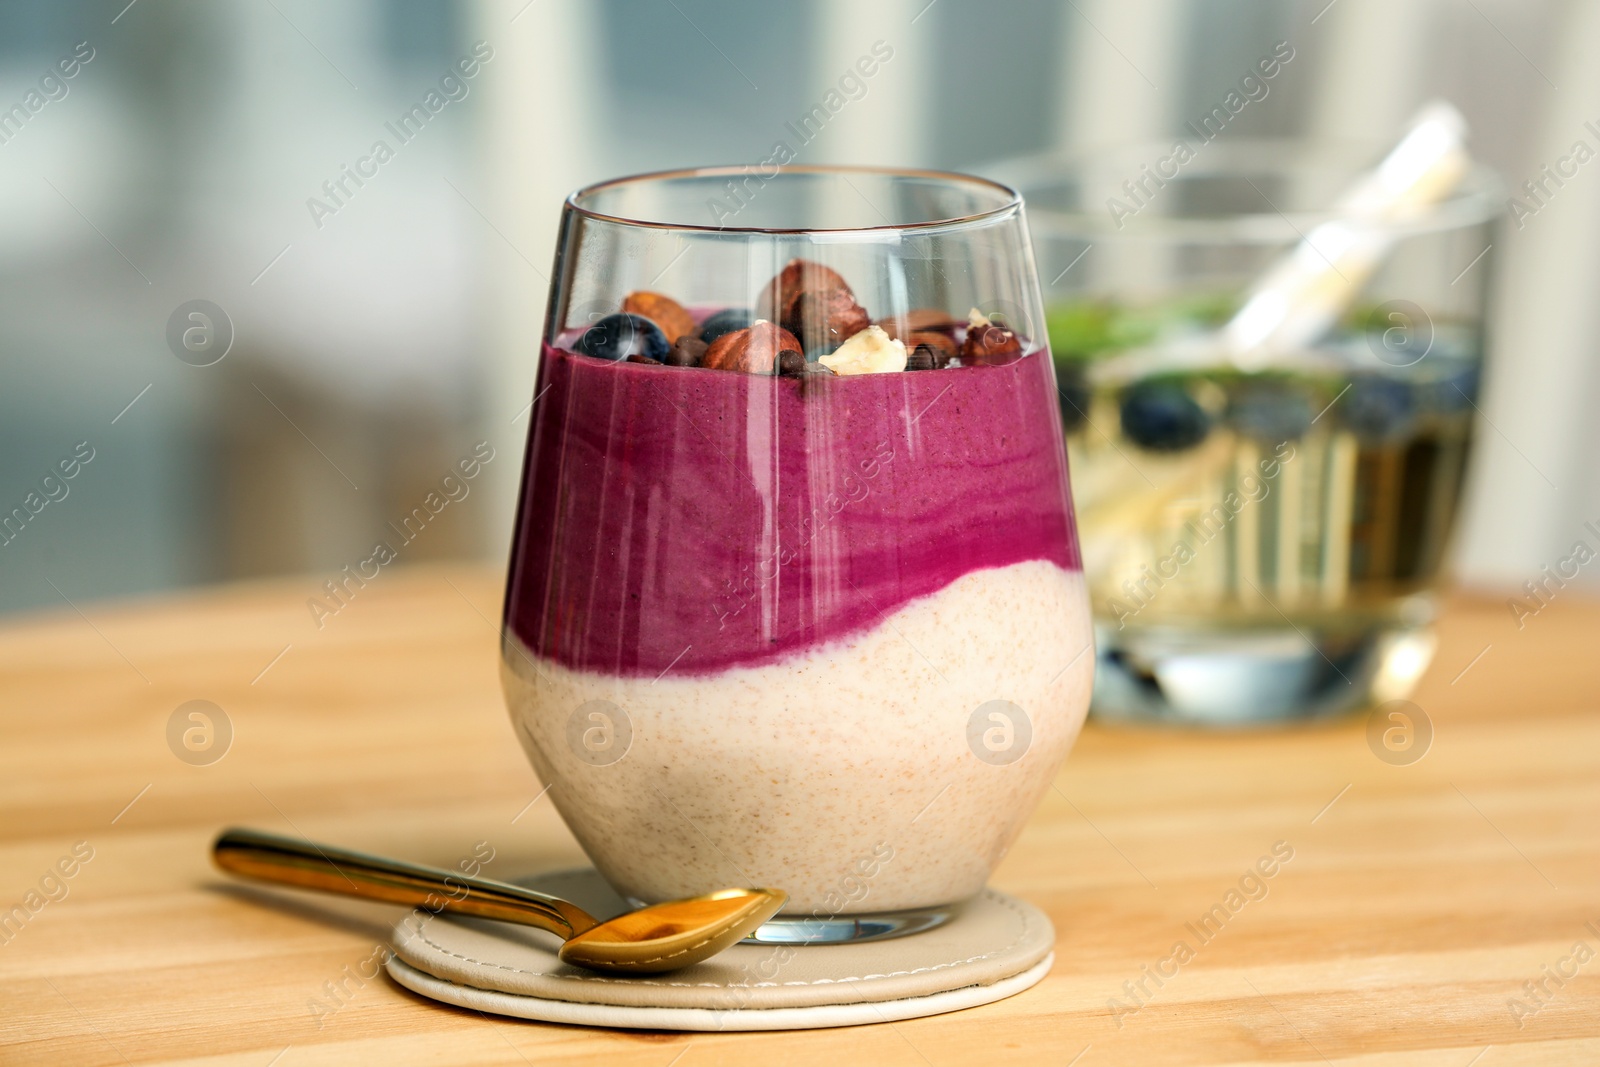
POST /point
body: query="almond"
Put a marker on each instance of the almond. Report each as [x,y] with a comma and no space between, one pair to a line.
[825,318]
[753,350]
[797,276]
[662,310]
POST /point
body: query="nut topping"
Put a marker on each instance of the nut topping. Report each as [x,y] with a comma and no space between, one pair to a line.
[810,327]
[664,311]
[797,276]
[869,352]
[753,350]
[988,342]
[825,318]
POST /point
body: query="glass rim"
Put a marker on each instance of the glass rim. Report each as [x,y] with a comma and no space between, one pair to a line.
[1477,200]
[1012,199]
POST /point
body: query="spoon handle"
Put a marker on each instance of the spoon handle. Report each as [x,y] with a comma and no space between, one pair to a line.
[292,861]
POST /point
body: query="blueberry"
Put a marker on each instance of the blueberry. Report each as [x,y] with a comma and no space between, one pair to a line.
[1378,409]
[1072,388]
[1161,415]
[1270,411]
[725,321]
[619,336]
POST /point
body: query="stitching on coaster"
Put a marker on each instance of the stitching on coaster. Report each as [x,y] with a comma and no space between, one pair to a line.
[1007,902]
[713,1011]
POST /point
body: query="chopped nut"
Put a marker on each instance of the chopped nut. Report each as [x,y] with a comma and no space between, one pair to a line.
[753,350]
[664,311]
[989,343]
[992,344]
[870,351]
[797,276]
[825,318]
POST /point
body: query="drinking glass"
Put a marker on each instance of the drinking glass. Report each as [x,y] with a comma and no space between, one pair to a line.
[1265,542]
[801,609]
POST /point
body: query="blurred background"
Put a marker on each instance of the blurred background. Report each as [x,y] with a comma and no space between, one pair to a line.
[385,307]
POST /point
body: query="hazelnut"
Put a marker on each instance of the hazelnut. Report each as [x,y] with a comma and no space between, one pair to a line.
[753,350]
[941,347]
[825,318]
[797,276]
[917,320]
[664,311]
[687,351]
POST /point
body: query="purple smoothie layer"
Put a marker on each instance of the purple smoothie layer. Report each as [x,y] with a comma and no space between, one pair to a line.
[704,519]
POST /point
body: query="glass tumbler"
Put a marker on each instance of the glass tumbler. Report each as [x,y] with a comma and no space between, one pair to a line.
[1263,542]
[795,597]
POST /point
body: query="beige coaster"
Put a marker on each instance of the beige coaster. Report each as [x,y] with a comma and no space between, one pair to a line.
[996,947]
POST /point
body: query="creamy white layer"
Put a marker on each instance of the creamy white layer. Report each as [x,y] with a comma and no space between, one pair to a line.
[852,776]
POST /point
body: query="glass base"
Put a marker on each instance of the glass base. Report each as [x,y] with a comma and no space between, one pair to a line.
[1247,675]
[877,926]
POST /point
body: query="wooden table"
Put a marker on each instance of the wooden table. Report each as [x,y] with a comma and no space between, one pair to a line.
[1419,900]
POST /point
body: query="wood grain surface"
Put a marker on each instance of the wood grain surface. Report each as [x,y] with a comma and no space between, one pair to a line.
[1442,912]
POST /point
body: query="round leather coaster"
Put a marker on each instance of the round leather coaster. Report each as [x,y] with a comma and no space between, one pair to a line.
[996,947]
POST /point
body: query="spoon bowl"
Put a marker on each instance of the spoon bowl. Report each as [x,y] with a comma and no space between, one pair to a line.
[670,935]
[660,937]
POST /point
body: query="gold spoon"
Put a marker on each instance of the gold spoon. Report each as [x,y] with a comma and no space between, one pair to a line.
[660,937]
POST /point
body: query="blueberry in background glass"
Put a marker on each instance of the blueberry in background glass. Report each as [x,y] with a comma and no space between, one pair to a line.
[1163,416]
